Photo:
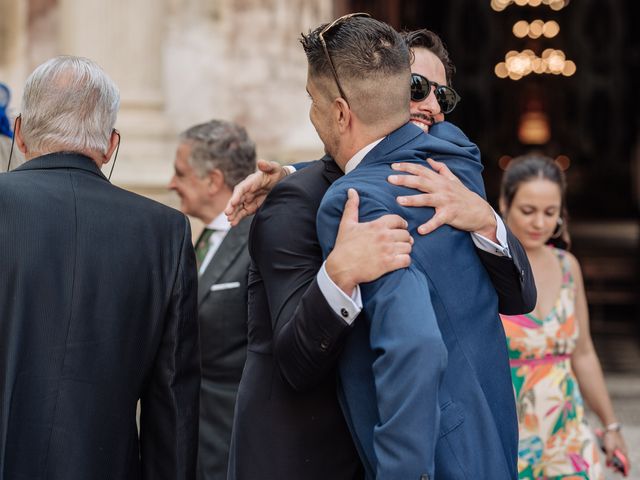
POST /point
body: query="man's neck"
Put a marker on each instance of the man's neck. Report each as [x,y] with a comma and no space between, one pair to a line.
[97,158]
[362,135]
[350,147]
[215,208]
[359,156]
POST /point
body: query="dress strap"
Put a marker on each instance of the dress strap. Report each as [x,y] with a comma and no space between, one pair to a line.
[565,266]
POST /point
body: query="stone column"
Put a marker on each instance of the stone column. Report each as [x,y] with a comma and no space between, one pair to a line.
[125,37]
[13,43]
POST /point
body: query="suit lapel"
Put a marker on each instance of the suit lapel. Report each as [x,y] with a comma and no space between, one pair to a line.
[331,170]
[444,140]
[224,257]
[393,141]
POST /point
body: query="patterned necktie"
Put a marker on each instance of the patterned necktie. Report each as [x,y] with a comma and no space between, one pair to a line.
[202,246]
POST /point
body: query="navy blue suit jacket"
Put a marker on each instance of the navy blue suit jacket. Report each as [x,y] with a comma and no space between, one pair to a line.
[425,380]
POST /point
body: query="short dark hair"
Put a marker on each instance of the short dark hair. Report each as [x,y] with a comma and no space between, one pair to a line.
[222,145]
[362,49]
[431,41]
[533,166]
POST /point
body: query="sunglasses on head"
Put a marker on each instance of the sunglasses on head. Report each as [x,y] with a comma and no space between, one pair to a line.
[446,96]
[321,35]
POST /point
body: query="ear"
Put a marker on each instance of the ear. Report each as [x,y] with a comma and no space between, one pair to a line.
[342,114]
[17,133]
[114,140]
[215,180]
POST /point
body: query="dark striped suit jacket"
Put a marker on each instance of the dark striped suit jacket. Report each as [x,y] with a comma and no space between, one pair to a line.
[97,310]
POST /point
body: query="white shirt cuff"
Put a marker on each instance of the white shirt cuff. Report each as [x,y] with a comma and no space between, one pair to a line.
[345,307]
[500,249]
[289,169]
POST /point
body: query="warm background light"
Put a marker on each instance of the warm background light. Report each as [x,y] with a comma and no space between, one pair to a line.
[534,128]
[519,64]
[536,29]
[500,5]
[563,162]
[551,29]
[521,29]
[501,70]
[504,161]
[569,68]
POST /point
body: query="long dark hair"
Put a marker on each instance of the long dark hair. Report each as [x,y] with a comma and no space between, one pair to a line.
[531,167]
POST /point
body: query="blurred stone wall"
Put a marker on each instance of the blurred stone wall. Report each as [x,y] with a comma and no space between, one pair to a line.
[241,60]
[178,62]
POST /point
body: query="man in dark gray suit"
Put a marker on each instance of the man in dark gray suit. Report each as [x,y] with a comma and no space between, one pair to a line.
[210,160]
[97,300]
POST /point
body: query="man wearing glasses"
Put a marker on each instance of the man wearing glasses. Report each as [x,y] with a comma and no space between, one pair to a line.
[288,456]
[454,204]
[424,378]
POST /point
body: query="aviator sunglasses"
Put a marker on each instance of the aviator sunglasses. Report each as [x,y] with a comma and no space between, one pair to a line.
[321,35]
[446,96]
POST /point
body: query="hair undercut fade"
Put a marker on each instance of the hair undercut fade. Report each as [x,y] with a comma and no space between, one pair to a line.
[222,145]
[372,62]
[69,103]
[431,41]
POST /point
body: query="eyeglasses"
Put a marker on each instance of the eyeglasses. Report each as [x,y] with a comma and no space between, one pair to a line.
[446,96]
[321,35]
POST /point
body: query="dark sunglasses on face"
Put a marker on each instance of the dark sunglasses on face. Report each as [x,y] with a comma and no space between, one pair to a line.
[446,96]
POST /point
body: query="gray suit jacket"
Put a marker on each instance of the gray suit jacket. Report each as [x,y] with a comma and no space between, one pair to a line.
[222,315]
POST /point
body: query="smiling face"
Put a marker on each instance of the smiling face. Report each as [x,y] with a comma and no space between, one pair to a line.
[190,187]
[534,212]
[427,112]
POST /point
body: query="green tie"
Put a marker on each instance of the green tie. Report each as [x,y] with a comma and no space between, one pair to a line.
[202,245]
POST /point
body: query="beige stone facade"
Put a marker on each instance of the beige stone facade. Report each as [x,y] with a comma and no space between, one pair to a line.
[178,62]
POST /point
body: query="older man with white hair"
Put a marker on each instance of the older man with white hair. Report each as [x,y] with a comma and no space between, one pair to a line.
[97,300]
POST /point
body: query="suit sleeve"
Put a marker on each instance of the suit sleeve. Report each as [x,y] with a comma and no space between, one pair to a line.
[410,355]
[308,335]
[511,277]
[300,165]
[169,403]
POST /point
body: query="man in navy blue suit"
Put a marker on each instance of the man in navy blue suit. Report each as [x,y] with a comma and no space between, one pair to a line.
[424,379]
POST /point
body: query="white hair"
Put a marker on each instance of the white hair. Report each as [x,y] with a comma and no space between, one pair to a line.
[69,104]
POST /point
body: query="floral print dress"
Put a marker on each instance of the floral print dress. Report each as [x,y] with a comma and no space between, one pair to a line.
[555,441]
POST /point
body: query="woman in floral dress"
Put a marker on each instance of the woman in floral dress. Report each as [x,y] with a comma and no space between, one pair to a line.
[553,362]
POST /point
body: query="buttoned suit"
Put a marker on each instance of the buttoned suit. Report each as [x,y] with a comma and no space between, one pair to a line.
[222,315]
[97,310]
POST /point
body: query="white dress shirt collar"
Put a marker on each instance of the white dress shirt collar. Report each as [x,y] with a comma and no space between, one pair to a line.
[220,223]
[359,156]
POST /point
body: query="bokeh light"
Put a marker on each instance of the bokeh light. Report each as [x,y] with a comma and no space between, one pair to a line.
[519,64]
[500,5]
